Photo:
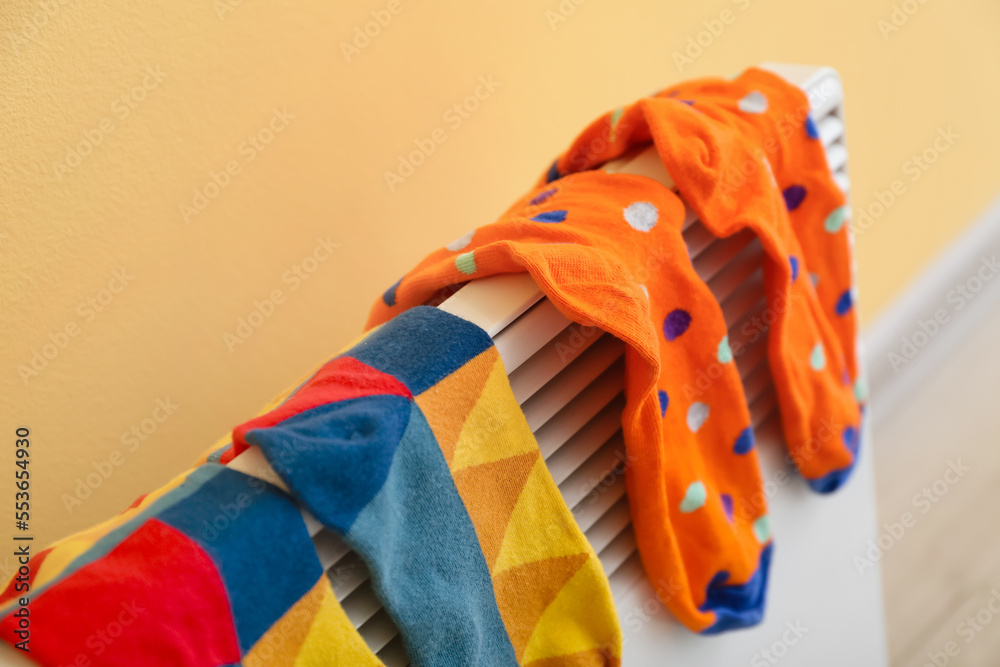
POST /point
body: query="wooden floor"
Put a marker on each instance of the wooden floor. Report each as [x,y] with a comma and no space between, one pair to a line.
[944,567]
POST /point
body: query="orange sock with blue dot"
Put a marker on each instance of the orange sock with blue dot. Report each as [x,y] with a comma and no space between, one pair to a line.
[607,250]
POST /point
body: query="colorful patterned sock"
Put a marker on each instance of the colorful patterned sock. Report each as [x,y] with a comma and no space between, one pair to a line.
[412,446]
[216,568]
[607,250]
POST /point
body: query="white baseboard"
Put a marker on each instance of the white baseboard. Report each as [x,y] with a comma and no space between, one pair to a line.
[892,375]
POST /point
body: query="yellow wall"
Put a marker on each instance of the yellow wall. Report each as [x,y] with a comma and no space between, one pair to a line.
[77,72]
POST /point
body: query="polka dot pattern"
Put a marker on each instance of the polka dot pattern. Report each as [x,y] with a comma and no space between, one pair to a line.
[860,389]
[817,358]
[724,353]
[675,324]
[641,216]
[664,402]
[616,115]
[553,174]
[753,102]
[835,221]
[697,416]
[845,302]
[852,439]
[762,529]
[794,196]
[550,216]
[811,130]
[466,263]
[727,505]
[745,441]
[389,296]
[794,262]
[694,497]
[542,197]
[460,243]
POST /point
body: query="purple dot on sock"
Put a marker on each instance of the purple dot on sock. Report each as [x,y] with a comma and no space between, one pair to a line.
[794,196]
[542,197]
[794,261]
[745,441]
[852,439]
[664,402]
[844,303]
[550,216]
[811,130]
[676,323]
[727,505]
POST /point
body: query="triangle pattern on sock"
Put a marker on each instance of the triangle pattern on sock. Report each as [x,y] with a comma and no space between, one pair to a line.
[447,404]
[566,627]
[539,510]
[332,640]
[490,492]
[483,437]
[522,612]
[281,643]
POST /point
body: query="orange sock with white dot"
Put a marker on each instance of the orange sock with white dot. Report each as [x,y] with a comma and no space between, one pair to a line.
[607,250]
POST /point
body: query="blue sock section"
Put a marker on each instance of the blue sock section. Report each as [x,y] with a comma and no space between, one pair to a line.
[421,346]
[370,469]
[335,457]
[426,563]
[836,479]
[109,542]
[233,515]
[738,606]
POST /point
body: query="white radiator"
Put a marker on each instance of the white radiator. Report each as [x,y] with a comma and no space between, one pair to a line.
[568,381]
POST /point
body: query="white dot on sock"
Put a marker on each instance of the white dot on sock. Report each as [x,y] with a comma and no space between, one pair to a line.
[753,102]
[458,244]
[642,216]
[697,414]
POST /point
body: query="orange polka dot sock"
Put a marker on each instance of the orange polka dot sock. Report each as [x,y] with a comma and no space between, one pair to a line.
[607,250]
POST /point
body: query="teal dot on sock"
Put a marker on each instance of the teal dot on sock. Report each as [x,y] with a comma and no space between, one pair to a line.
[762,529]
[860,389]
[694,498]
[615,117]
[817,359]
[835,220]
[724,354]
[466,263]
